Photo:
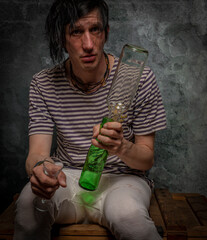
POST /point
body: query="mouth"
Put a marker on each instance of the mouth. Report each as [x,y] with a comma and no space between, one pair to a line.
[88,58]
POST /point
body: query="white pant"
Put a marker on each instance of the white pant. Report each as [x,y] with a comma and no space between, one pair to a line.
[121,204]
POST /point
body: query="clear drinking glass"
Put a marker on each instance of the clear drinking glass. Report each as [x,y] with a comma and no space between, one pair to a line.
[51,167]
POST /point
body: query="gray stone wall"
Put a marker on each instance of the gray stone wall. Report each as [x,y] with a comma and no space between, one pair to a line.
[175,34]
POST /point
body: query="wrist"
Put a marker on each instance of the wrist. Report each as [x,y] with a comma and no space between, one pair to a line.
[38,163]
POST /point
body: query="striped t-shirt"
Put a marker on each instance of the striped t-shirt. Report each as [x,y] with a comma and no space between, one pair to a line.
[54,101]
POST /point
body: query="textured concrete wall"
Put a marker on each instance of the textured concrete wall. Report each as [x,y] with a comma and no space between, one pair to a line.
[174,32]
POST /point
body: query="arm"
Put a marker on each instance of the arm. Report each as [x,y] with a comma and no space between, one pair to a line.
[39,149]
[138,155]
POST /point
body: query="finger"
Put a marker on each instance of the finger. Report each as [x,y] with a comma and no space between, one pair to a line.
[114,134]
[113,125]
[46,189]
[96,130]
[62,179]
[40,189]
[112,149]
[42,178]
[109,141]
[41,193]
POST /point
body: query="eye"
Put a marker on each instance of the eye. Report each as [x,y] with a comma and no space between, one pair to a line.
[96,30]
[76,32]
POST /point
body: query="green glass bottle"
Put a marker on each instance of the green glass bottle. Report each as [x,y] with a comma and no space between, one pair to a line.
[94,165]
[121,94]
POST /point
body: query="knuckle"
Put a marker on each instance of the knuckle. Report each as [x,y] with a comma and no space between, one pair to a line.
[114,133]
[49,190]
[31,179]
[107,141]
[119,142]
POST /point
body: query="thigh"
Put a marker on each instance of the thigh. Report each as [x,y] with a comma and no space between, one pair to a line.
[125,209]
[126,196]
[129,187]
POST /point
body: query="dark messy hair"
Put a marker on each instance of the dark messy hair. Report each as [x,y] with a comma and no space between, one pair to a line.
[64,12]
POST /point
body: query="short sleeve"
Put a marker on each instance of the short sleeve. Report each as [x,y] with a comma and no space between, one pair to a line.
[149,113]
[40,120]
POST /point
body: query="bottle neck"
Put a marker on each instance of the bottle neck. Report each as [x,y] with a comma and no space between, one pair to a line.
[117,111]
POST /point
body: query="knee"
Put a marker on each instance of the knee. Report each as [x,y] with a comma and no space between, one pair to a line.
[23,226]
[121,210]
[24,210]
[24,203]
[130,221]
[132,226]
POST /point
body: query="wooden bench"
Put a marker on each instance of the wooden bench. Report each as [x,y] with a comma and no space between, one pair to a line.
[177,216]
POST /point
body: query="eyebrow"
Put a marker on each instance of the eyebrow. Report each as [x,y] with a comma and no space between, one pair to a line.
[95,24]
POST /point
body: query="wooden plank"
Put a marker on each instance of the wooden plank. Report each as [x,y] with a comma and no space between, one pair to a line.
[156,215]
[192,238]
[170,213]
[83,230]
[199,207]
[198,232]
[186,216]
[178,236]
[182,196]
[83,238]
[6,237]
[176,233]
[181,215]
[166,205]
[7,219]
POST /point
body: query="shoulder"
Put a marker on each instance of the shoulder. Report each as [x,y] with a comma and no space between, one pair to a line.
[49,74]
[147,73]
[148,77]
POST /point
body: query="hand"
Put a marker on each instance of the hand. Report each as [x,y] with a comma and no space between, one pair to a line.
[111,137]
[45,186]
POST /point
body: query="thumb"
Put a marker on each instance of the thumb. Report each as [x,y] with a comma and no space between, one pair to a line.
[96,130]
[62,179]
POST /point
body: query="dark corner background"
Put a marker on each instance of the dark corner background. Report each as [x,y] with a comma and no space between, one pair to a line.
[174,32]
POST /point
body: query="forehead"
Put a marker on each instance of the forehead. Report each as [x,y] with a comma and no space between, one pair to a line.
[91,18]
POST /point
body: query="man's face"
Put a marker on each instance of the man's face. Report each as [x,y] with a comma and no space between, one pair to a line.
[85,42]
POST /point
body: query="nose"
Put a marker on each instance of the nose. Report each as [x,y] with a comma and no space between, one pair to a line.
[87,42]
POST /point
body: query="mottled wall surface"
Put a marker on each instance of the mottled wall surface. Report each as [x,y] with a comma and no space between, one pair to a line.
[174,32]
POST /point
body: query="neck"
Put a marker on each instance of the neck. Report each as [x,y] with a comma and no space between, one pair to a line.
[90,81]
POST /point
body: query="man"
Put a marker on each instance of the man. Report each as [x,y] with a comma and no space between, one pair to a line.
[72,97]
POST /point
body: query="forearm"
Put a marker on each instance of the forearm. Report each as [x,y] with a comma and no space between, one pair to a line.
[136,155]
[39,149]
